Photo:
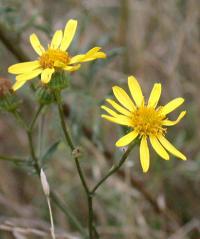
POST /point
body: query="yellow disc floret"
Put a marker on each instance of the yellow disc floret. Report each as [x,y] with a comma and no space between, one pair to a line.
[147,121]
[54,58]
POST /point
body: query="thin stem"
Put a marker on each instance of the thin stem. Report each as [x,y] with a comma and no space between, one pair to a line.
[53,196]
[62,121]
[81,175]
[35,117]
[71,145]
[32,151]
[51,218]
[114,168]
[30,140]
[29,132]
[67,212]
[15,160]
[41,136]
[20,120]
[89,193]
[91,215]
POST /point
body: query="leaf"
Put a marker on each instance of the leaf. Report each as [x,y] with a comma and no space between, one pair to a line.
[50,151]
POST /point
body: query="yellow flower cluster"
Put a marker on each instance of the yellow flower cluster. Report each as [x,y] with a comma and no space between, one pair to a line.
[146,121]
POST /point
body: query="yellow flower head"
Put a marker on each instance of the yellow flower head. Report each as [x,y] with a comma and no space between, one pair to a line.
[54,58]
[146,120]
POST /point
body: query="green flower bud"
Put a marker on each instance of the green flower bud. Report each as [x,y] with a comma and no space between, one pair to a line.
[45,95]
[59,81]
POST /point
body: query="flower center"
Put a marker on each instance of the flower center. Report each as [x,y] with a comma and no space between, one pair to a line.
[147,121]
[54,58]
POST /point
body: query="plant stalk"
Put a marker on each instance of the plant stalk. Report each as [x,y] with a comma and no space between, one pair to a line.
[79,170]
[115,168]
[53,196]
[89,193]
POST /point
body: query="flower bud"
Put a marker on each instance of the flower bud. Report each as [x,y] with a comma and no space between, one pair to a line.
[5,87]
[45,95]
[8,99]
[59,81]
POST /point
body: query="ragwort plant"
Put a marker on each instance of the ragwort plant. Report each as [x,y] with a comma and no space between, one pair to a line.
[145,120]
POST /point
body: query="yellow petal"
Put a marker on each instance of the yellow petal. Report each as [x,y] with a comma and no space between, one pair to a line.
[171,148]
[155,95]
[59,64]
[119,108]
[69,33]
[127,139]
[159,148]
[120,119]
[92,54]
[123,98]
[109,111]
[28,75]
[18,84]
[39,49]
[72,68]
[173,122]
[144,154]
[135,90]
[172,105]
[56,40]
[46,75]
[24,67]
[77,59]
[94,57]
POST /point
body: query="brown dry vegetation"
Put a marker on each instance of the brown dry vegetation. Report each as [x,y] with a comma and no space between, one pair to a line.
[155,40]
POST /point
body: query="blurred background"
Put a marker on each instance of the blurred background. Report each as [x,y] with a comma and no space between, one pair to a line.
[154,40]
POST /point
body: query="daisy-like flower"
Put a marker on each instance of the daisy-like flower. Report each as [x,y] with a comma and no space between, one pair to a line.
[54,58]
[145,119]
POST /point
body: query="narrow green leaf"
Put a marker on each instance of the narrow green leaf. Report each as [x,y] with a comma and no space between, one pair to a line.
[50,151]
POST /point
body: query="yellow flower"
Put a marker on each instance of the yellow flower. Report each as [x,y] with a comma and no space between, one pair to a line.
[146,120]
[54,58]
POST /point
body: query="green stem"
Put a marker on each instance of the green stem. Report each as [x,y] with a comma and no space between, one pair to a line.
[37,168]
[71,145]
[67,212]
[89,193]
[20,120]
[16,160]
[30,140]
[114,168]
[35,117]
[81,175]
[32,151]
[64,128]
[91,215]
[29,133]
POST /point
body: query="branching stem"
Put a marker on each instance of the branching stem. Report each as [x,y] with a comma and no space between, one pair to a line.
[115,168]
[53,196]
[81,175]
[89,193]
